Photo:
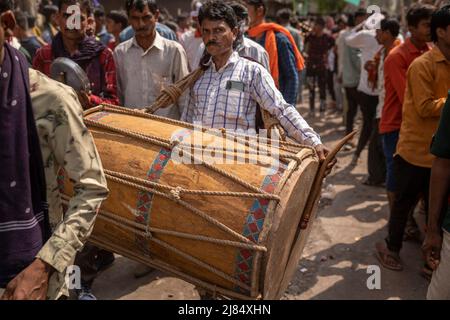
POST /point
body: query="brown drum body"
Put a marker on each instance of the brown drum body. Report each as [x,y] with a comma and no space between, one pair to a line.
[228,228]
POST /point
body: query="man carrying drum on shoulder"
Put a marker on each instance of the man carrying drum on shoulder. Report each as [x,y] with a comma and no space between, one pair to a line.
[227,95]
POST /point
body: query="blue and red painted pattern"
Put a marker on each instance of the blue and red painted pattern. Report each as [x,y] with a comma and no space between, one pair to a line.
[154,174]
[252,229]
[145,199]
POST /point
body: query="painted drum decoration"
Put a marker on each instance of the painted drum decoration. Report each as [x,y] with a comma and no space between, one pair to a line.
[233,227]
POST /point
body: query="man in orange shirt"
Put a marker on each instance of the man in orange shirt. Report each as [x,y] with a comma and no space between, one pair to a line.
[428,81]
[395,67]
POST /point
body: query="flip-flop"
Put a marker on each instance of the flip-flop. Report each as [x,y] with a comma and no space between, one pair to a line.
[382,253]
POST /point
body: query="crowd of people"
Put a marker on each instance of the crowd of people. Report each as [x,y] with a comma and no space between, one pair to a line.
[397,76]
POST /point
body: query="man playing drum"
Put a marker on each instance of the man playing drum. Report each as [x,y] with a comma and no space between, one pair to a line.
[227,95]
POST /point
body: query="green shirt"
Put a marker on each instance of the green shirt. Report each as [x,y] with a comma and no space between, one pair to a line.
[441,147]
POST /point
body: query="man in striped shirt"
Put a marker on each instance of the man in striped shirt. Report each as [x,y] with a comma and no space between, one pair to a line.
[232,87]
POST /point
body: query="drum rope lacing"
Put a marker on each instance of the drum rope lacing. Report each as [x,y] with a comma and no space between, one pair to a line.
[175,194]
[131,225]
[283,145]
[172,144]
[141,114]
[169,147]
[185,204]
[169,268]
[116,220]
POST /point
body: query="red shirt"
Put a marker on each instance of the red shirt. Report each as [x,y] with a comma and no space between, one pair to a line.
[112,44]
[44,58]
[395,67]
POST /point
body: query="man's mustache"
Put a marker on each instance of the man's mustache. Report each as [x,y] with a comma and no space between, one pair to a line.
[212,43]
[143,29]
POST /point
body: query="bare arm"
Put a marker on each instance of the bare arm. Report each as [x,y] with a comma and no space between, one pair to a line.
[439,188]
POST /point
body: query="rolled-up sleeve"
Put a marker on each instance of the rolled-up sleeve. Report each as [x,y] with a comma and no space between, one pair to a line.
[73,149]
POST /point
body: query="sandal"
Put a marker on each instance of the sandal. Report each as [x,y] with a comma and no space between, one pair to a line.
[388,259]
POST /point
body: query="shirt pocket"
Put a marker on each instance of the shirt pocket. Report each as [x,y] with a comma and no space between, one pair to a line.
[229,104]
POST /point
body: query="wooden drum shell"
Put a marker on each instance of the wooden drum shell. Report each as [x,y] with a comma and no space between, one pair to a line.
[236,246]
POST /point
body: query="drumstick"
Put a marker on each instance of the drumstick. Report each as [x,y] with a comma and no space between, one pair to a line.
[301,234]
[317,186]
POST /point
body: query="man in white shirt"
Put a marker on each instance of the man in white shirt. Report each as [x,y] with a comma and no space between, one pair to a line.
[363,38]
[387,36]
[192,39]
[148,63]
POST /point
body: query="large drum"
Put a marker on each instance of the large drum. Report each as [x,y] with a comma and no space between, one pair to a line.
[231,227]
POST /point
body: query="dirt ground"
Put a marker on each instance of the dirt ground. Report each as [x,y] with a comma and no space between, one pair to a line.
[336,257]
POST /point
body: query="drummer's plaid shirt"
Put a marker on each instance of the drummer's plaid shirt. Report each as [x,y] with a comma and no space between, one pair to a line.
[214,102]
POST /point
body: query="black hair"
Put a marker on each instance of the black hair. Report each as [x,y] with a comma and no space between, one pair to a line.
[85,5]
[439,19]
[182,16]
[31,21]
[217,10]
[48,10]
[99,11]
[418,12]
[391,25]
[140,5]
[320,21]
[240,10]
[118,17]
[257,4]
[21,19]
[360,13]
[284,15]
[6,5]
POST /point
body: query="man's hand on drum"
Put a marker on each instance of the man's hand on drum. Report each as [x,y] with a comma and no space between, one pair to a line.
[322,153]
[85,101]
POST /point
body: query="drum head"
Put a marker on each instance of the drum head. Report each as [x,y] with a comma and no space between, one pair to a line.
[284,244]
[70,73]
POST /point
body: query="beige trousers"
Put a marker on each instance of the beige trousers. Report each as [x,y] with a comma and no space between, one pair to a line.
[439,288]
